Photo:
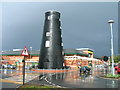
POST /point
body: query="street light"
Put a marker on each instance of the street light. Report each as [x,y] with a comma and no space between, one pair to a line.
[30,52]
[112,53]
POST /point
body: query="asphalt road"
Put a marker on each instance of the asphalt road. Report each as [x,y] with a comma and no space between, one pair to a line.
[84,82]
[71,79]
[76,80]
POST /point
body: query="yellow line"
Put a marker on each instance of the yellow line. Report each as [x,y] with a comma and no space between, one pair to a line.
[9,81]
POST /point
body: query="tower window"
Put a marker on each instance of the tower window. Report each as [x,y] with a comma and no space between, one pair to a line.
[61,44]
[47,44]
[47,33]
[49,17]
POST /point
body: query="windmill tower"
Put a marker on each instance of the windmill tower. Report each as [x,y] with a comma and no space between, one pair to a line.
[51,56]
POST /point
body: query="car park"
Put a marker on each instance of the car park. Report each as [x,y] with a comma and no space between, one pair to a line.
[4,66]
[28,67]
[9,66]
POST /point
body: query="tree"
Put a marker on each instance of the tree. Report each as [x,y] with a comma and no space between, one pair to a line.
[116,59]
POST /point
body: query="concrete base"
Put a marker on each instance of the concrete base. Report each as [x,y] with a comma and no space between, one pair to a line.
[51,70]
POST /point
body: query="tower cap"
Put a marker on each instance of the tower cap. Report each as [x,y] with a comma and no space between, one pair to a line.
[52,11]
[110,21]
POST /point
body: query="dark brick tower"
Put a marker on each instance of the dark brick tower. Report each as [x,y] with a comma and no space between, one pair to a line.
[51,56]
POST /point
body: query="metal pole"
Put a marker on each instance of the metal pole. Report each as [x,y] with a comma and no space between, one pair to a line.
[30,52]
[112,53]
[24,70]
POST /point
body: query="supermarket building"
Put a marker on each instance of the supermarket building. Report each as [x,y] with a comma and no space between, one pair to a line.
[72,57]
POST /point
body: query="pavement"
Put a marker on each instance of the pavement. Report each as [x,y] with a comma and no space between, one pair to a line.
[9,86]
[19,78]
[14,78]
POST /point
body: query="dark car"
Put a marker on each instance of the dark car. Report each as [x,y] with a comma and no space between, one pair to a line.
[9,66]
[66,67]
[28,67]
[84,69]
[13,67]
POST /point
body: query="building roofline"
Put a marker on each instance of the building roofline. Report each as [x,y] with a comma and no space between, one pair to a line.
[84,49]
[38,54]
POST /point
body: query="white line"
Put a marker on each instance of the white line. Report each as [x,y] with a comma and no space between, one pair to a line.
[51,82]
[42,77]
[45,78]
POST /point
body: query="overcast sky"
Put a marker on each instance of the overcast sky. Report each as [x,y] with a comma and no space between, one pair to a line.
[84,24]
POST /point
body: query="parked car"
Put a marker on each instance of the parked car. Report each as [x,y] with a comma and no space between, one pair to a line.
[100,66]
[117,68]
[85,69]
[4,66]
[66,67]
[1,66]
[8,66]
[28,67]
[13,67]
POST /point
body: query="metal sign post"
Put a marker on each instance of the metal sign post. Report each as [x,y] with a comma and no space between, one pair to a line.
[25,54]
[24,69]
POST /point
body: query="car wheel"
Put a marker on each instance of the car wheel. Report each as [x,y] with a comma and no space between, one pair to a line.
[118,72]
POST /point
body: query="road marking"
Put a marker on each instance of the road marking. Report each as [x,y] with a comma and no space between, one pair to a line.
[9,81]
[42,77]
[51,82]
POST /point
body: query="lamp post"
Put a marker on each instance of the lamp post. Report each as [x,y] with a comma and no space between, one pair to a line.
[30,52]
[112,53]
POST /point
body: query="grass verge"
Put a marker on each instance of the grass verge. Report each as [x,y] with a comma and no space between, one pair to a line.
[30,86]
[117,76]
[36,86]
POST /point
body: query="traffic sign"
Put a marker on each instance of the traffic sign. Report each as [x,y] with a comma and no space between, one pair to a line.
[105,58]
[25,52]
